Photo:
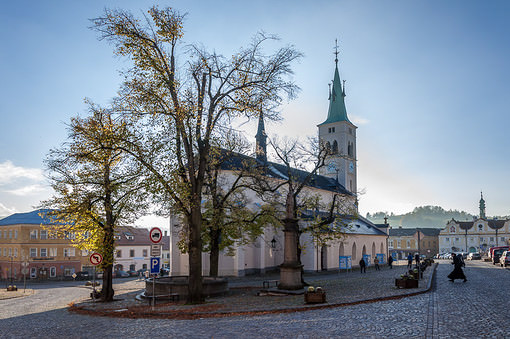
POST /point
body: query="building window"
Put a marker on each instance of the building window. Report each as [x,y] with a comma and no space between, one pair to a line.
[10,252]
[452,229]
[456,239]
[53,252]
[481,239]
[33,252]
[131,253]
[43,252]
[33,234]
[69,252]
[144,253]
[144,266]
[132,267]
[53,272]
[33,272]
[5,252]
[447,239]
[399,243]
[84,253]
[480,227]
[119,253]
[68,271]
[408,243]
[15,234]
[390,244]
[15,253]
[43,235]
[10,234]
[502,238]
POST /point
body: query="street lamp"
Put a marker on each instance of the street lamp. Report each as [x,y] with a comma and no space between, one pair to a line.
[273,243]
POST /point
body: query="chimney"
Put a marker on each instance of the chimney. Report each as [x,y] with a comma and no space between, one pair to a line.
[166,233]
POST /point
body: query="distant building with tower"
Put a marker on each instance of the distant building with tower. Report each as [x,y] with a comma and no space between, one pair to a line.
[476,235]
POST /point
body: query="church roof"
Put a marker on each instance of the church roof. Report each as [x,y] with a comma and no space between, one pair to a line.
[236,161]
[351,224]
[337,111]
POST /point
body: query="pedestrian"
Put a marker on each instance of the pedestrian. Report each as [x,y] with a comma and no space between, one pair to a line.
[417,259]
[390,262]
[410,261]
[362,266]
[376,264]
[457,272]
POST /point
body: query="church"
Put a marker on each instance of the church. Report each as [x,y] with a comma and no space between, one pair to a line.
[362,239]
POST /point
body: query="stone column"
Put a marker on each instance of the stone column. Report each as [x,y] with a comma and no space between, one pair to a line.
[290,270]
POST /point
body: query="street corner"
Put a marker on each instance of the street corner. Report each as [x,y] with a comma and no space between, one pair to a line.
[5,294]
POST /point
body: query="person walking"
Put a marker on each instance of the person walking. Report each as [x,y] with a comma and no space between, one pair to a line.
[362,266]
[457,272]
[410,261]
[390,262]
[376,264]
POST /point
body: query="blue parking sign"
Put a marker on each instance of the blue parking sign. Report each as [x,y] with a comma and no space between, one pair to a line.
[155,261]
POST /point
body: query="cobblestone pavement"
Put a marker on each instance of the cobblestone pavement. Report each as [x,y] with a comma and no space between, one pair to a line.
[475,309]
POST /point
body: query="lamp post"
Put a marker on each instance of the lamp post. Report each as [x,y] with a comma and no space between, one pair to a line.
[11,258]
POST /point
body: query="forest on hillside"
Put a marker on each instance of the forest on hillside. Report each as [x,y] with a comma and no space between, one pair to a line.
[423,216]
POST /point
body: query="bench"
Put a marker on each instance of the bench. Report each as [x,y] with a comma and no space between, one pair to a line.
[268,283]
[171,296]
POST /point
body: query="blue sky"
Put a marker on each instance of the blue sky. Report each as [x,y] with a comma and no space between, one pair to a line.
[427,86]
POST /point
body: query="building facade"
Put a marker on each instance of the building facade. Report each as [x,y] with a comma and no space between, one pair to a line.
[132,249]
[477,235]
[405,241]
[27,248]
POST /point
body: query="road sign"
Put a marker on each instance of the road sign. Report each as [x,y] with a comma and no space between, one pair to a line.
[24,270]
[95,258]
[155,261]
[155,250]
[155,235]
[24,264]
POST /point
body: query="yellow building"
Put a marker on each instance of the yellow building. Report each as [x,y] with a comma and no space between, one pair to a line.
[25,243]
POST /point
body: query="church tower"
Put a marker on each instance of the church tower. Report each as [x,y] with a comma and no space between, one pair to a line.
[482,206]
[339,135]
[261,141]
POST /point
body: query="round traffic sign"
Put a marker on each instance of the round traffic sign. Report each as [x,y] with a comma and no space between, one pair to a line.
[95,258]
[24,270]
[155,235]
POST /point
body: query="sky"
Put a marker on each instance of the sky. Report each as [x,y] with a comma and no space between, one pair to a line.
[426,83]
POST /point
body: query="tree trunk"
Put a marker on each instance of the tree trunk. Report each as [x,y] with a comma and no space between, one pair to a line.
[107,291]
[195,256]
[215,252]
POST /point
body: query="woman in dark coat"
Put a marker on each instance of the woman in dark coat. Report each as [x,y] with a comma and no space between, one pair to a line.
[457,272]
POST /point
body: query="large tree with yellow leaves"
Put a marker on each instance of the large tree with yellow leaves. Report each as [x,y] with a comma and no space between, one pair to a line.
[97,187]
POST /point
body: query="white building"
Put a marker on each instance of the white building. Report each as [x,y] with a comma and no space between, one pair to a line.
[132,249]
[474,236]
[363,239]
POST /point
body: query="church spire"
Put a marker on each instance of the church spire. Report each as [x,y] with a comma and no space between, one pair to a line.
[337,111]
[261,144]
[482,206]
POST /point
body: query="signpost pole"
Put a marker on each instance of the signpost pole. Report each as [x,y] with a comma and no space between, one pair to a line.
[94,286]
[153,294]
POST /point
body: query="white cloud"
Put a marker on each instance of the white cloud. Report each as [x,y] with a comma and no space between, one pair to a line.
[5,211]
[9,173]
[27,190]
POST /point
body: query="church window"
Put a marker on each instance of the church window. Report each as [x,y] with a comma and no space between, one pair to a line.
[452,229]
[350,149]
[328,146]
[480,227]
[331,130]
[335,147]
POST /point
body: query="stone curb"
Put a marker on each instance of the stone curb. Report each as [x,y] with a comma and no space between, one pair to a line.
[196,315]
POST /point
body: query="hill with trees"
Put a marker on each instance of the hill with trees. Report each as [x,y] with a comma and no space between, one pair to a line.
[423,216]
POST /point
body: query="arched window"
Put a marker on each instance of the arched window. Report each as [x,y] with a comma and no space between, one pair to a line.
[328,146]
[353,253]
[350,149]
[335,147]
[452,229]
[382,248]
[373,249]
[341,250]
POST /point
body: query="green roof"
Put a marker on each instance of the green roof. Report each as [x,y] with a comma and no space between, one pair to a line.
[337,111]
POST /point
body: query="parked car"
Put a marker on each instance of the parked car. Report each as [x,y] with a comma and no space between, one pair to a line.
[132,273]
[504,259]
[82,275]
[496,254]
[120,274]
[474,256]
